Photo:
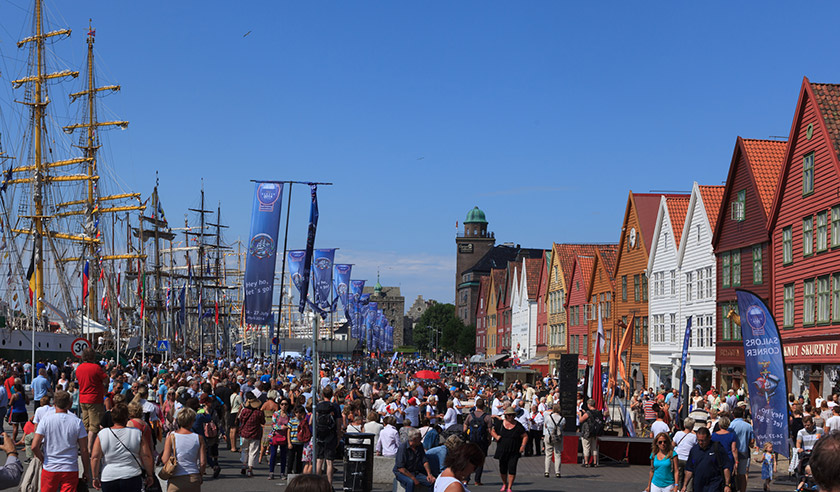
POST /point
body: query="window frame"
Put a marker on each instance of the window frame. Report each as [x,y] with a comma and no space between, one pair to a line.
[741,209]
[824,227]
[624,288]
[809,299]
[736,268]
[808,236]
[834,226]
[823,299]
[758,265]
[788,305]
[787,245]
[808,173]
[726,270]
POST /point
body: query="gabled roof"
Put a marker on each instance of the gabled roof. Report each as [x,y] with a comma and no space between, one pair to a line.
[532,276]
[499,256]
[712,200]
[660,220]
[765,159]
[582,264]
[606,256]
[677,211]
[646,206]
[566,254]
[826,99]
[497,276]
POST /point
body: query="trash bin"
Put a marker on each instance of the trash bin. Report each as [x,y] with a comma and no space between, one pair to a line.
[358,462]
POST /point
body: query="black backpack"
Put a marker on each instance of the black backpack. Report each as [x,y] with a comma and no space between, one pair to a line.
[325,425]
[478,429]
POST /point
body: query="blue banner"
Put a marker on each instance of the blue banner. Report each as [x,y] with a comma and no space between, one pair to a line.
[765,372]
[322,267]
[310,245]
[262,253]
[295,259]
[341,283]
[684,360]
[356,288]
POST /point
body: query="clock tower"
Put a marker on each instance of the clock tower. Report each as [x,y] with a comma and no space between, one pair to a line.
[472,244]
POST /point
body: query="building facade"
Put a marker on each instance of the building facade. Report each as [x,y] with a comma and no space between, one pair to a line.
[741,232]
[471,246]
[601,294]
[577,307]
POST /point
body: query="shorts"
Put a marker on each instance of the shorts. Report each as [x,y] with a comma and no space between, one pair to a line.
[743,465]
[92,414]
[507,464]
[327,450]
[59,481]
[19,417]
[232,421]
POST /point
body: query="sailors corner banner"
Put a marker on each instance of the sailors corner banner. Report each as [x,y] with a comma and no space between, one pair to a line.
[310,245]
[765,371]
[322,269]
[262,253]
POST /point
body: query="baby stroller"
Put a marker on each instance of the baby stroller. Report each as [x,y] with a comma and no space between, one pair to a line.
[803,479]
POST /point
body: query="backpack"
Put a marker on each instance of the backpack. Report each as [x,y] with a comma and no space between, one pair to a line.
[478,429]
[211,430]
[598,423]
[325,426]
[556,435]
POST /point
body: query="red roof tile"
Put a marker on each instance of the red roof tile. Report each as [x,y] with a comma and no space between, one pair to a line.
[647,207]
[567,254]
[532,276]
[827,97]
[609,253]
[677,211]
[765,158]
[586,263]
[712,199]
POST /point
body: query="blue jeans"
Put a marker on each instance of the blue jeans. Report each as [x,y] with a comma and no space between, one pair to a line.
[409,483]
[3,411]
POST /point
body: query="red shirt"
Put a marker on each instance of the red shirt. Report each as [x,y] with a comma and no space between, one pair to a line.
[10,381]
[91,379]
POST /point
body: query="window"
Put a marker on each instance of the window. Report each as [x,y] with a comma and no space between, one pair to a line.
[655,327]
[636,331]
[699,333]
[739,206]
[727,270]
[673,282]
[822,300]
[689,286]
[736,268]
[787,245]
[807,236]
[808,302]
[561,335]
[758,270]
[835,297]
[730,330]
[788,305]
[608,304]
[582,344]
[656,284]
[835,226]
[673,327]
[710,332]
[645,330]
[709,286]
[624,288]
[644,287]
[808,174]
[822,231]
[636,287]
[700,284]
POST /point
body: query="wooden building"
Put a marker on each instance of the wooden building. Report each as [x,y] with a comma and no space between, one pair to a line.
[741,233]
[601,294]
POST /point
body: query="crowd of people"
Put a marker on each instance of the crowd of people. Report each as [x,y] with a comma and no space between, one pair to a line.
[113,426]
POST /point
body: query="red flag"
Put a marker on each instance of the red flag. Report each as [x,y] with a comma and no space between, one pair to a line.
[216,303]
[85,279]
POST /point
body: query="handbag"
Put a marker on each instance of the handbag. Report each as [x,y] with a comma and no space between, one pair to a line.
[168,469]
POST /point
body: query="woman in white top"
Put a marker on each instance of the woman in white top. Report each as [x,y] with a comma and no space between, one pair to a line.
[188,448]
[118,453]
[372,426]
[460,463]
[451,416]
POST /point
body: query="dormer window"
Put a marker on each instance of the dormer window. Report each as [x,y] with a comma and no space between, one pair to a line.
[739,206]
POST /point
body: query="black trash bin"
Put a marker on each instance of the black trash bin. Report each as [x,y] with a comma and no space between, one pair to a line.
[358,462]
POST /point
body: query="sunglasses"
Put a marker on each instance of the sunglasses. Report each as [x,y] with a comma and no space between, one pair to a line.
[661,442]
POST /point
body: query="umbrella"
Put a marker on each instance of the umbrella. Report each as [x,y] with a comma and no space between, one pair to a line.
[425,374]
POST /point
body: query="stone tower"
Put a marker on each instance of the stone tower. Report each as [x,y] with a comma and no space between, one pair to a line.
[472,244]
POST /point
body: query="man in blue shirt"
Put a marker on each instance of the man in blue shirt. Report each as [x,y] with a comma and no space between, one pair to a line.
[40,387]
[411,466]
[745,440]
[708,464]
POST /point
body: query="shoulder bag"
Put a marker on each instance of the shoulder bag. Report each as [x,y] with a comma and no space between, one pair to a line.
[168,469]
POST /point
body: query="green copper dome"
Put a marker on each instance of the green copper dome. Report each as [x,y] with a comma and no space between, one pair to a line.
[475,216]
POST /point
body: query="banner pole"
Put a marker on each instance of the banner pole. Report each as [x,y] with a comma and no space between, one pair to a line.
[283,282]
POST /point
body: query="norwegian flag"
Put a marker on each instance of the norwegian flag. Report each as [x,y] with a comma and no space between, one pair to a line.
[85,279]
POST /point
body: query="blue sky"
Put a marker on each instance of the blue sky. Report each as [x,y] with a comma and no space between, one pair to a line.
[542,113]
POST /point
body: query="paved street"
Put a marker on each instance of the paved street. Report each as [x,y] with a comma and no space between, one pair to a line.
[530,478]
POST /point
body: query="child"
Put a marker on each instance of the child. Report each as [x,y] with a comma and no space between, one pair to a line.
[807,482]
[768,464]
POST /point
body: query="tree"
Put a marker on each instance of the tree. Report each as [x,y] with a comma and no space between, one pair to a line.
[440,328]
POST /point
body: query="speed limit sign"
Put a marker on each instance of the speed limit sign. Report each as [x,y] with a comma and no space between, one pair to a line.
[79,345]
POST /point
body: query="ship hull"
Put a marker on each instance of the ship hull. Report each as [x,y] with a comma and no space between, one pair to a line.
[15,345]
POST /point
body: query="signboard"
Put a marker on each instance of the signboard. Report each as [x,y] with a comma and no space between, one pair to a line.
[568,389]
[274,349]
[78,346]
[465,248]
[163,345]
[812,352]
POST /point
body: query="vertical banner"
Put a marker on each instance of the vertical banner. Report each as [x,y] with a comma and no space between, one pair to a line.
[310,245]
[597,389]
[356,288]
[765,372]
[683,362]
[322,268]
[262,253]
[341,283]
[294,258]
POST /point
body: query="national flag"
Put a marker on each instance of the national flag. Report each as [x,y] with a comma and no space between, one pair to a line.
[30,277]
[168,294]
[92,32]
[160,215]
[216,305]
[7,177]
[85,279]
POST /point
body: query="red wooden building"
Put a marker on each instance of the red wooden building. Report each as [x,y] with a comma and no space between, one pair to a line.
[805,236]
[577,309]
[741,241]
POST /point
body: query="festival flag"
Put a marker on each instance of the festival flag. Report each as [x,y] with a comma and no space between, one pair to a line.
[322,269]
[85,280]
[625,345]
[765,368]
[597,388]
[683,362]
[119,274]
[30,277]
[216,306]
[310,246]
